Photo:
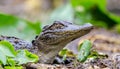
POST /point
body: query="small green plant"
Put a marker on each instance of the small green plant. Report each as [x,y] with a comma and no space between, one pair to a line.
[84,50]
[11,58]
[66,53]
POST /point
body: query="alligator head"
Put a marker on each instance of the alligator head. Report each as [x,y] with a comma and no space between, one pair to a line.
[54,38]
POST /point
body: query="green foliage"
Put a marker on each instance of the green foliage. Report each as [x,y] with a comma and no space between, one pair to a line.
[94,54]
[7,49]
[13,67]
[13,26]
[8,56]
[66,53]
[87,4]
[25,56]
[11,61]
[94,11]
[84,50]
[2,58]
[63,52]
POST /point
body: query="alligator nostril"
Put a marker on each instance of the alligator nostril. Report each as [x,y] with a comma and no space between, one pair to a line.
[36,36]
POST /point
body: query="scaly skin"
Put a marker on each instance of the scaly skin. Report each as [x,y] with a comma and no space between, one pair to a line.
[52,39]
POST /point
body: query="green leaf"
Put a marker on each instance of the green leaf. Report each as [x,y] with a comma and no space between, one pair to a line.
[94,54]
[63,52]
[64,13]
[11,61]
[13,67]
[25,56]
[7,49]
[102,5]
[95,12]
[82,10]
[85,3]
[67,53]
[3,58]
[13,57]
[84,51]
[13,26]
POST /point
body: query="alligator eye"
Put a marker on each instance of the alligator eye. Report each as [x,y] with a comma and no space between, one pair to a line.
[57,26]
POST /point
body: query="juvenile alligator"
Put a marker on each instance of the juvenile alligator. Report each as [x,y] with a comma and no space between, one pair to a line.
[51,40]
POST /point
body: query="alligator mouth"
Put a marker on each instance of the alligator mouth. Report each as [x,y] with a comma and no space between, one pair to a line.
[84,29]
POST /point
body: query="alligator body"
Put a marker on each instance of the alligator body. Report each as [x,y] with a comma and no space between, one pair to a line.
[19,43]
[51,40]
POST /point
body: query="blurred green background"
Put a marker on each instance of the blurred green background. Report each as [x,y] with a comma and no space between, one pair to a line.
[25,18]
